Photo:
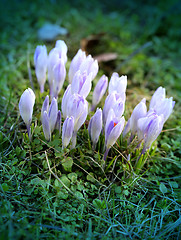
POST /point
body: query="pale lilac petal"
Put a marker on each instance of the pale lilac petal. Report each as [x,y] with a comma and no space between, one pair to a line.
[52,114]
[99,90]
[67,131]
[26,105]
[46,126]
[45,106]
[66,97]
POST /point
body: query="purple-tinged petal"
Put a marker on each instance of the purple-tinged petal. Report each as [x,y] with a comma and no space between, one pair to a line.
[75,64]
[117,84]
[52,114]
[99,90]
[95,126]
[66,98]
[67,131]
[46,126]
[45,106]
[58,122]
[26,105]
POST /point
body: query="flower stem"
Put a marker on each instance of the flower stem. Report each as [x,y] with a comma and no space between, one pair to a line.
[74,138]
[106,153]
[29,131]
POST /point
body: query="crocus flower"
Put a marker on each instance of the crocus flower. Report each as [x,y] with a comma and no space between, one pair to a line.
[50,117]
[90,65]
[77,107]
[59,73]
[95,126]
[139,111]
[53,59]
[26,104]
[41,61]
[117,84]
[67,95]
[75,63]
[52,114]
[67,131]
[165,108]
[160,104]
[45,106]
[46,126]
[62,48]
[149,129]
[157,97]
[99,91]
[58,122]
[110,103]
[81,83]
[113,129]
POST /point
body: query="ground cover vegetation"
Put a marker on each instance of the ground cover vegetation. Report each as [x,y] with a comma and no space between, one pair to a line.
[52,193]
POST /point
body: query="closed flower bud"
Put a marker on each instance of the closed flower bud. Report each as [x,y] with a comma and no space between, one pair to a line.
[139,111]
[53,59]
[90,66]
[99,91]
[45,106]
[62,48]
[67,95]
[59,73]
[117,84]
[52,114]
[67,131]
[160,104]
[75,64]
[157,97]
[113,129]
[95,126]
[41,61]
[81,83]
[58,122]
[26,105]
[110,102]
[150,128]
[46,126]
[77,107]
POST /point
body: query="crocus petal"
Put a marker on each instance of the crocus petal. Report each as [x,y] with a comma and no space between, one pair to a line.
[46,126]
[62,48]
[58,122]
[90,66]
[75,63]
[26,105]
[77,107]
[99,90]
[52,114]
[45,106]
[67,95]
[154,129]
[81,83]
[41,61]
[157,97]
[67,131]
[95,126]
[139,111]
[117,84]
[59,72]
[53,59]
[165,108]
[115,133]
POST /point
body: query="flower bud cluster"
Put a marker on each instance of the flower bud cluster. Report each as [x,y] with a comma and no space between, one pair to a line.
[147,125]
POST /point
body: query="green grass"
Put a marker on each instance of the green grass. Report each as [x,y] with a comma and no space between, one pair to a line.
[74,197]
